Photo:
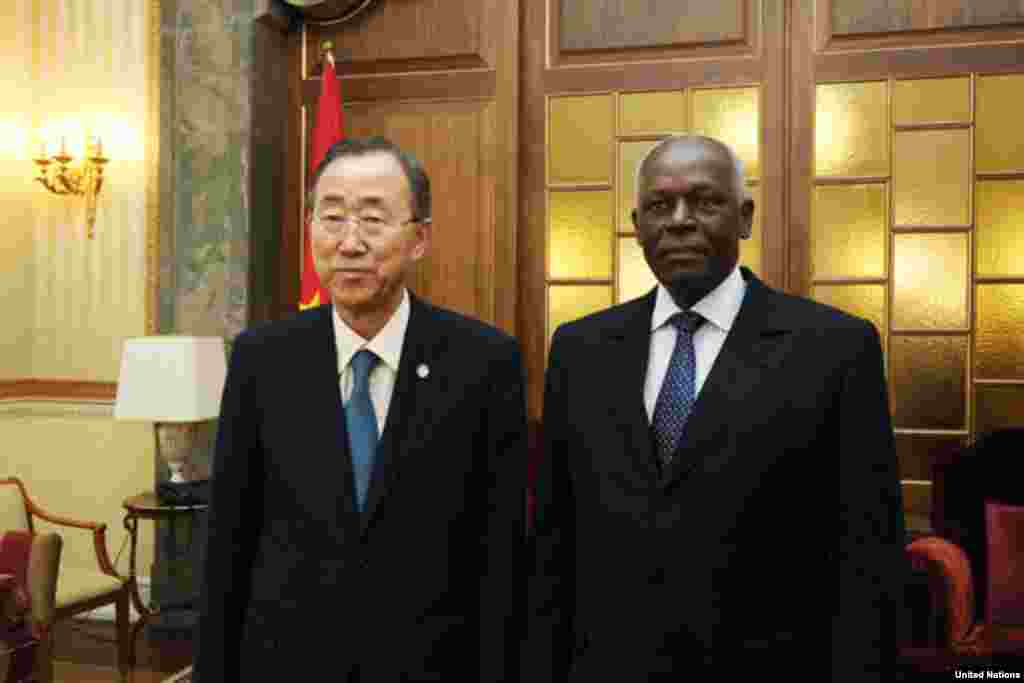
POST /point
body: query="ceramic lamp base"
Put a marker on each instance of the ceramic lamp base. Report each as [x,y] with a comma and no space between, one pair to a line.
[175,442]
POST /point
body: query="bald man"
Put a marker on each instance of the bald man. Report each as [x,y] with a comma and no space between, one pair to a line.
[719,489]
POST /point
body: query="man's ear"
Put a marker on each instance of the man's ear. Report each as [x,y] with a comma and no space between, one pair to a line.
[632,216]
[421,237]
[747,218]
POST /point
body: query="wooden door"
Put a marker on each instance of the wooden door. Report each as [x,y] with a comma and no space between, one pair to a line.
[600,85]
[907,196]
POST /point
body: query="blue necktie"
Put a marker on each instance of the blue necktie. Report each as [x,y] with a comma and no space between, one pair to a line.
[361,422]
[678,391]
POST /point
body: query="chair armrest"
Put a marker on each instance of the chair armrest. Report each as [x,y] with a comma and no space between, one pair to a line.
[98,529]
[43,569]
[948,565]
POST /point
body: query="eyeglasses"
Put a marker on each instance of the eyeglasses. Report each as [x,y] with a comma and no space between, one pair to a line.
[367,225]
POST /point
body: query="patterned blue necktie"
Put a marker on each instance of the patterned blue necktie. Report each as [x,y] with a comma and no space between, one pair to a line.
[361,422]
[678,391]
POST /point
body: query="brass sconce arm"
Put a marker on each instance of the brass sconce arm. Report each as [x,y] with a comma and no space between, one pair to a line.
[86,180]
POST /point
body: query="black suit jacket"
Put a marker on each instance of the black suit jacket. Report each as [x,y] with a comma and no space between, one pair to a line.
[775,539]
[423,585]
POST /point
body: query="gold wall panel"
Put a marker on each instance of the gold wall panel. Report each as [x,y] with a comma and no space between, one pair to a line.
[931,177]
[645,113]
[848,231]
[630,154]
[930,281]
[998,405]
[732,116]
[999,348]
[865,301]
[751,250]
[999,239]
[569,302]
[581,233]
[635,277]
[580,132]
[999,137]
[851,129]
[917,453]
[932,100]
[928,376]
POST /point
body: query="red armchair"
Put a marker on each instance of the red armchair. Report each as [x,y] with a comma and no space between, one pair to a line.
[975,563]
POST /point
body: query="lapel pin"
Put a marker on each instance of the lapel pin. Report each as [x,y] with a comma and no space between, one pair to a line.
[422,371]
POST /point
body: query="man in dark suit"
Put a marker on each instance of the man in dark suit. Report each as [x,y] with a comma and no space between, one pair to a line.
[719,488]
[367,512]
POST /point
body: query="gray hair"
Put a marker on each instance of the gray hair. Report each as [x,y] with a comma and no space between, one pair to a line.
[738,180]
[419,183]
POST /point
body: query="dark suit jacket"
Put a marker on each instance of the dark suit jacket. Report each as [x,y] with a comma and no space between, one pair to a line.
[422,586]
[775,539]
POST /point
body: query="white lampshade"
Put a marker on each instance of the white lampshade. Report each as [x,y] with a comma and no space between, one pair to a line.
[171,379]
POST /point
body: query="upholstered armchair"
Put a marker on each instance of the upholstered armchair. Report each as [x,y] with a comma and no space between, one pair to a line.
[28,591]
[77,590]
[975,562]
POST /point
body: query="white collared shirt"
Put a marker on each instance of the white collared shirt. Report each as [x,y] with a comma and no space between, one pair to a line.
[388,347]
[719,308]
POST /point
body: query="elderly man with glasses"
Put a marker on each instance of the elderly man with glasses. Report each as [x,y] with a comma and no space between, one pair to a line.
[368,493]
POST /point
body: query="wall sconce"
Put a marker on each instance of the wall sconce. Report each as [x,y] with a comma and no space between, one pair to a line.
[85,179]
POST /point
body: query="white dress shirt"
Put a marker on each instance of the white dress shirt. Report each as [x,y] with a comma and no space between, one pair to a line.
[388,347]
[719,308]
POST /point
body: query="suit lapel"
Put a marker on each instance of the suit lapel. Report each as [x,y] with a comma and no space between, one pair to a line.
[327,413]
[412,402]
[630,340]
[756,343]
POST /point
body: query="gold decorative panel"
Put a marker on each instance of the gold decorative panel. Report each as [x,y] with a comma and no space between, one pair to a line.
[930,281]
[580,242]
[750,250]
[999,217]
[865,301]
[569,302]
[931,177]
[999,139]
[580,138]
[630,154]
[999,349]
[928,376]
[635,277]
[932,100]
[848,231]
[646,113]
[730,115]
[851,129]
[998,405]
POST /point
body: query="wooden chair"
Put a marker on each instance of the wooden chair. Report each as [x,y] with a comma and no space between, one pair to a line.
[78,590]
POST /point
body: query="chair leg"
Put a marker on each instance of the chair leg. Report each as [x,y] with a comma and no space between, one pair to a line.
[44,659]
[125,650]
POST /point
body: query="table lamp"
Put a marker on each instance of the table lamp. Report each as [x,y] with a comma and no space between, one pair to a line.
[174,382]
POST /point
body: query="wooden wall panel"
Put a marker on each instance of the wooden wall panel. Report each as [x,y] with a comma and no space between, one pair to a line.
[885,16]
[411,36]
[616,33]
[609,24]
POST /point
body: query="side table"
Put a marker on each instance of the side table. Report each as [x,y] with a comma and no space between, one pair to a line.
[148,506]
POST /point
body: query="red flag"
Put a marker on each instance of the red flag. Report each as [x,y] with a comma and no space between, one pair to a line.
[327,129]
